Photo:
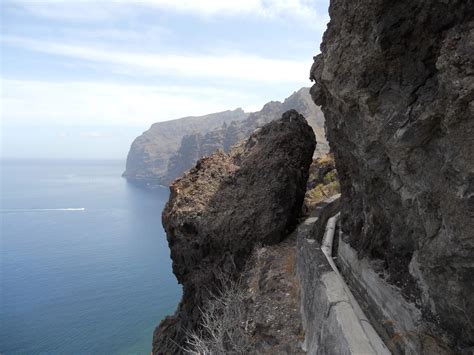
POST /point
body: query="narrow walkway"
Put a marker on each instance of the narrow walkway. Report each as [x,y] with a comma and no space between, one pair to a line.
[333,320]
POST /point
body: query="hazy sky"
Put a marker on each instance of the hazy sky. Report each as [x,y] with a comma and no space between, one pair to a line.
[80,79]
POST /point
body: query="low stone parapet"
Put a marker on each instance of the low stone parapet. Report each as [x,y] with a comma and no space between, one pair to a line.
[333,322]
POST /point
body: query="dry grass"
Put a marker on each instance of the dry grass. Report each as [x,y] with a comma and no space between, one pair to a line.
[325,159]
[324,186]
[321,192]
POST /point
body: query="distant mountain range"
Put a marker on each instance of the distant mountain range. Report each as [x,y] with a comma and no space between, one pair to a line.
[168,149]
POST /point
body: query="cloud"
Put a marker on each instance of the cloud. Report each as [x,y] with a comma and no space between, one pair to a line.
[96,103]
[92,134]
[310,11]
[231,67]
[150,33]
[68,10]
[86,134]
[261,8]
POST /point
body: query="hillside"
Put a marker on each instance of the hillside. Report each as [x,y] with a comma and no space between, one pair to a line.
[150,152]
[153,157]
[228,203]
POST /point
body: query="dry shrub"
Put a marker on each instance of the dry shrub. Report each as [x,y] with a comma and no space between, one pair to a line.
[322,183]
[321,192]
[224,325]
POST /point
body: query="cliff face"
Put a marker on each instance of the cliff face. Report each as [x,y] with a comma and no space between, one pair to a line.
[224,206]
[230,134]
[150,153]
[395,81]
[157,154]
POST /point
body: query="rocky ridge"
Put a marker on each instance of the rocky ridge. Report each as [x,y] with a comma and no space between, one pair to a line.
[149,159]
[395,80]
[150,153]
[227,204]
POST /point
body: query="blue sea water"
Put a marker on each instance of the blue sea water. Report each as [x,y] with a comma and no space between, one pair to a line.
[85,266]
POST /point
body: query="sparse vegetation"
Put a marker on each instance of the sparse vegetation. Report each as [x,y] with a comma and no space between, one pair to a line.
[224,327]
[323,181]
[330,177]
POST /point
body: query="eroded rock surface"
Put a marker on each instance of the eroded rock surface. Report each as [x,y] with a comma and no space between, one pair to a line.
[396,84]
[150,152]
[197,145]
[224,206]
[272,305]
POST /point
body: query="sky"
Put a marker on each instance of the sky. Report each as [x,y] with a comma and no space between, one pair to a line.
[81,78]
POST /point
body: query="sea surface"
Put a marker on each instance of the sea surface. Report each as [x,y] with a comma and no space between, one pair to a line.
[84,262]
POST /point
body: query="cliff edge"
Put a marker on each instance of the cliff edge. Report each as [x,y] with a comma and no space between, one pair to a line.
[149,154]
[228,203]
[395,82]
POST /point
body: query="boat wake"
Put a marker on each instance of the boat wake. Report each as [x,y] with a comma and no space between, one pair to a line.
[13,210]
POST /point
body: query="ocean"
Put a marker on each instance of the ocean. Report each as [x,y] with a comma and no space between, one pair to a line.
[85,266]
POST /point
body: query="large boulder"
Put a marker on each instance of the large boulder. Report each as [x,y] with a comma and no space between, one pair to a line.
[227,204]
[395,80]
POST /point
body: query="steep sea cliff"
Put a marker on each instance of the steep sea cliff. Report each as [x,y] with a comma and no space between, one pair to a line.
[168,149]
[395,82]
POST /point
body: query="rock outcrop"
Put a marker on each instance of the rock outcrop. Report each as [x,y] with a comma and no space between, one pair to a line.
[395,80]
[224,206]
[158,157]
[150,153]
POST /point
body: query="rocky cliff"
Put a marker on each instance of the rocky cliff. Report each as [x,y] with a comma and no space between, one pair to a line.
[153,157]
[198,145]
[395,80]
[224,206]
[150,153]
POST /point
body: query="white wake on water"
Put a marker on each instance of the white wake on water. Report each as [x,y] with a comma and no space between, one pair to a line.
[40,209]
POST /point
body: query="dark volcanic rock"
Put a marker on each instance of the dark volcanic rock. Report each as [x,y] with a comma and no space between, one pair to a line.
[396,84]
[227,204]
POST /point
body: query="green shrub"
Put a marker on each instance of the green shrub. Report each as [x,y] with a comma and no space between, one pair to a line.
[330,177]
